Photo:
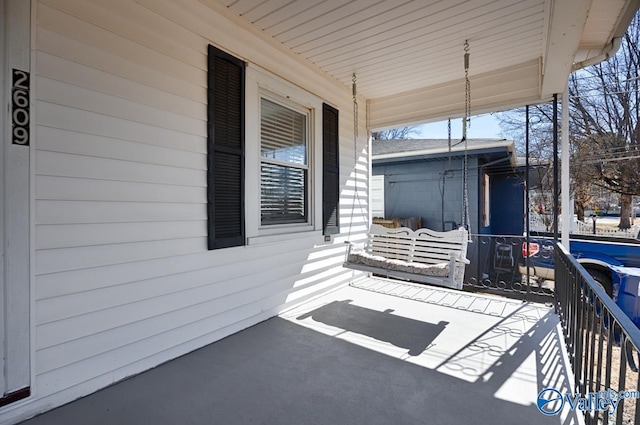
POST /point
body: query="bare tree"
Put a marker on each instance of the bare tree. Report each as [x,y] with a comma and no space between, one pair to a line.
[396,133]
[604,128]
[541,149]
[606,121]
[512,124]
[582,176]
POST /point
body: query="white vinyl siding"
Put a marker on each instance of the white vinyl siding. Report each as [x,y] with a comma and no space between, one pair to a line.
[377,196]
[123,278]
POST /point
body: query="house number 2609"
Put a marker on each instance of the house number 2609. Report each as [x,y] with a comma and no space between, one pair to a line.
[20,108]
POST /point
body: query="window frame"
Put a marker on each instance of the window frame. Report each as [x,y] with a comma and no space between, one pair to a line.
[486,200]
[260,82]
[307,166]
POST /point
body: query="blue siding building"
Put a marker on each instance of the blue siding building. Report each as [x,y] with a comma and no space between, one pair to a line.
[424,178]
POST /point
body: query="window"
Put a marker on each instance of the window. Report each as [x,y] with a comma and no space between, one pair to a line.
[291,179]
[286,180]
[284,163]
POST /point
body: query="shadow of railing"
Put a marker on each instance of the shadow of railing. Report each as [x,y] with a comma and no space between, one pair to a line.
[411,334]
[484,355]
[520,348]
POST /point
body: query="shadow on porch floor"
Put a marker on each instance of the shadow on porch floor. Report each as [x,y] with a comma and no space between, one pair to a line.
[354,356]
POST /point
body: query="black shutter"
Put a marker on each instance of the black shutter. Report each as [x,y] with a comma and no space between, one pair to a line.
[225,150]
[330,171]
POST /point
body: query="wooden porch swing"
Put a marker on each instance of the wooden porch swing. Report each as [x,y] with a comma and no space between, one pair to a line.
[423,255]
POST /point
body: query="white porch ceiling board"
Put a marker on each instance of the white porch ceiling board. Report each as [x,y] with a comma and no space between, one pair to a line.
[508,48]
[426,37]
[376,18]
[428,30]
[281,15]
[399,47]
[607,20]
[261,10]
[398,84]
[433,43]
[244,6]
[513,34]
[429,72]
[398,22]
[600,22]
[318,10]
[443,101]
[346,13]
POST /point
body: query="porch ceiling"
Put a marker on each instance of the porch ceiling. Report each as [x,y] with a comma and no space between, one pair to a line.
[408,54]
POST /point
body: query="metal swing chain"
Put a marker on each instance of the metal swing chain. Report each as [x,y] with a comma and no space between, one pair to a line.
[449,139]
[356,195]
[355,114]
[467,115]
[467,91]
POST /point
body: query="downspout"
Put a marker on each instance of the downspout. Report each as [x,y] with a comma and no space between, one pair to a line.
[610,50]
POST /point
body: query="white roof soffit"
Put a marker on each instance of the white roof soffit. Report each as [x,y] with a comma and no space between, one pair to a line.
[408,55]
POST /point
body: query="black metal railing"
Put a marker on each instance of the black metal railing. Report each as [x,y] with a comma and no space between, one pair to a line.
[603,344]
[498,265]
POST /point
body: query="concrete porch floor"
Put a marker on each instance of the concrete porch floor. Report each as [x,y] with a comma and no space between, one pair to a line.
[376,352]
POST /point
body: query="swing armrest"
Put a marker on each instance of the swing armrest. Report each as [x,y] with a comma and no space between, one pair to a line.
[348,252]
[351,246]
[458,258]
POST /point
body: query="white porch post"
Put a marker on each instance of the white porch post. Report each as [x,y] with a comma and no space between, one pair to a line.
[565,201]
[15,199]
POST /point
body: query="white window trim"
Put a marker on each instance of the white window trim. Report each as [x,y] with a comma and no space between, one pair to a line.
[486,199]
[259,84]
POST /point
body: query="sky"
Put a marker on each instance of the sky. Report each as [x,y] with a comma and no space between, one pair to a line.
[481,127]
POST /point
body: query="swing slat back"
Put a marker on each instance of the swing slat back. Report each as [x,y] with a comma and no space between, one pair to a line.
[422,255]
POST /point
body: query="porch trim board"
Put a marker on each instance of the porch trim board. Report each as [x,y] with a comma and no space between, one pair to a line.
[15,201]
[513,86]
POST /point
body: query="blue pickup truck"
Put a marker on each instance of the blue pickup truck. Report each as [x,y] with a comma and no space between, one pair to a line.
[613,262]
